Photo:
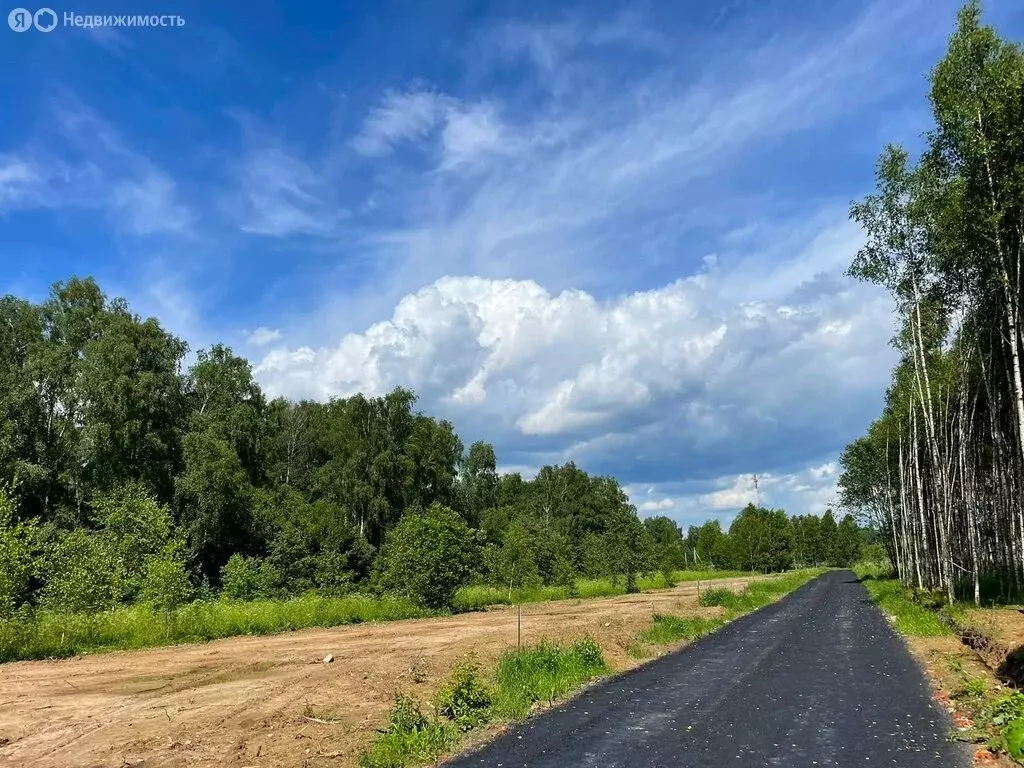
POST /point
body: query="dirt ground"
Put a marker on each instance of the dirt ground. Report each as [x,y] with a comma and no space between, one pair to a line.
[1004,625]
[254,701]
[948,663]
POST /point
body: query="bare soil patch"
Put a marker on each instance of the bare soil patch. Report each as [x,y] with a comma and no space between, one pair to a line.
[947,662]
[255,701]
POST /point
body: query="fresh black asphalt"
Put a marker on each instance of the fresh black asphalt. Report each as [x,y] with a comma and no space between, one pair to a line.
[816,679]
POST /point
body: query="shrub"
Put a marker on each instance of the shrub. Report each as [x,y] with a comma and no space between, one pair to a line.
[428,556]
[135,528]
[16,549]
[465,699]
[333,576]
[249,578]
[82,573]
[166,585]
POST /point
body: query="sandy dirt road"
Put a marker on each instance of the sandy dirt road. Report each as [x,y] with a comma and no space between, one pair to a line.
[247,701]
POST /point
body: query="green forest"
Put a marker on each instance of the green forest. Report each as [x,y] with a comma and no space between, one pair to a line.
[130,478]
[940,470]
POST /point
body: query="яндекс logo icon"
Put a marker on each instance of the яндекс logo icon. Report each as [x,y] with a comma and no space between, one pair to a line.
[22,20]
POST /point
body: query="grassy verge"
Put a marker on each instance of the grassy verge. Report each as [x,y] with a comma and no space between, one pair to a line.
[523,677]
[478,597]
[46,634]
[669,630]
[910,617]
[758,593]
[985,712]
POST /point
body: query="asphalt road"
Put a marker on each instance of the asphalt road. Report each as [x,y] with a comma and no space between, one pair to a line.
[817,679]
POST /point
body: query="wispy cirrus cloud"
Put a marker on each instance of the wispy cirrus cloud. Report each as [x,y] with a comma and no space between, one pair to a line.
[84,163]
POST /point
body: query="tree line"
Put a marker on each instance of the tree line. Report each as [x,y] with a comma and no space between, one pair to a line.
[940,470]
[768,540]
[125,477]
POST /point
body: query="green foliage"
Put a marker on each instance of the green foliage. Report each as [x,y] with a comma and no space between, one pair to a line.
[761,540]
[215,500]
[135,529]
[166,586]
[17,544]
[428,556]
[464,699]
[45,633]
[630,547]
[543,673]
[910,617]
[82,573]
[759,593]
[411,738]
[673,629]
[1004,718]
[718,597]
[249,578]
[515,562]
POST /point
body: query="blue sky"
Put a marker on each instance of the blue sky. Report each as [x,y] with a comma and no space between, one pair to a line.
[608,232]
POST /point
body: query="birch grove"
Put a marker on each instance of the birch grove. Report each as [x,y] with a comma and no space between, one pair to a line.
[939,472]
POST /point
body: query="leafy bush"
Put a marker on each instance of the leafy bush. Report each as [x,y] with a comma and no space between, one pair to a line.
[1006,717]
[428,556]
[82,573]
[332,575]
[249,578]
[134,528]
[16,550]
[465,699]
[166,585]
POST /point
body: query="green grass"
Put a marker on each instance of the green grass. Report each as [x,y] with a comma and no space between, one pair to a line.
[410,738]
[543,673]
[47,634]
[666,630]
[480,596]
[523,677]
[910,617]
[757,594]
